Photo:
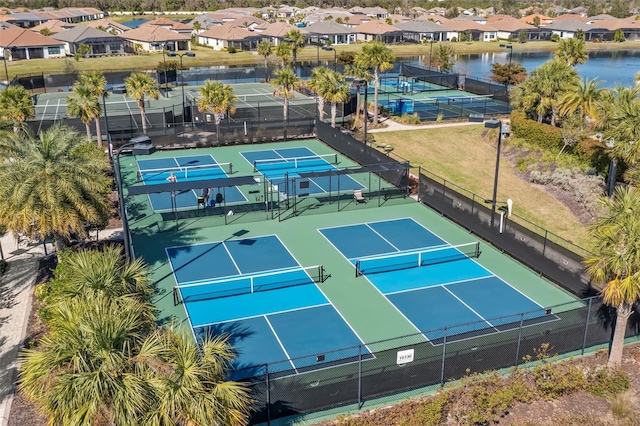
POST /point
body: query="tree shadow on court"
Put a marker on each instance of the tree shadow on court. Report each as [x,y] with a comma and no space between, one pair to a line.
[607,315]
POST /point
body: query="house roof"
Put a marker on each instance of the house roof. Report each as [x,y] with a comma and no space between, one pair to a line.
[570,16]
[570,25]
[82,33]
[21,37]
[614,24]
[420,26]
[377,27]
[329,27]
[507,23]
[230,32]
[279,29]
[602,16]
[530,18]
[55,26]
[153,33]
[106,23]
[467,25]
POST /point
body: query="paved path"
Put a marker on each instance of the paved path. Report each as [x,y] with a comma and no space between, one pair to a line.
[16,290]
[394,126]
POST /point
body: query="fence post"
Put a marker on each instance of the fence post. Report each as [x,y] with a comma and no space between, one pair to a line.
[519,338]
[586,326]
[544,246]
[360,403]
[419,182]
[266,373]
[444,354]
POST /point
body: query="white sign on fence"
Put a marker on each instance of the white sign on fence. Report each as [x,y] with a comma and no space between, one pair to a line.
[404,357]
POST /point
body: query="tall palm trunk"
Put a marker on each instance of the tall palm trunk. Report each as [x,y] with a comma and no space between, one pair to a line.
[142,115]
[59,244]
[285,113]
[376,85]
[320,107]
[217,119]
[88,128]
[99,131]
[357,105]
[334,112]
[623,313]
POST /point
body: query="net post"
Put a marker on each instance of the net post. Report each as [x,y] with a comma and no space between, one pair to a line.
[230,168]
[255,167]
[176,300]
[357,265]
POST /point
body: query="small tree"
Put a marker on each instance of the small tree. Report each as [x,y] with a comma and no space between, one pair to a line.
[508,75]
[522,36]
[536,21]
[580,34]
[45,32]
[443,57]
[618,36]
[573,130]
[84,50]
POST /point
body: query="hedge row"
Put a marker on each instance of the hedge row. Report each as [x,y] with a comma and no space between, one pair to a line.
[540,134]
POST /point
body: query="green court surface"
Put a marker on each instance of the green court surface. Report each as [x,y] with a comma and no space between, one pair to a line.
[360,301]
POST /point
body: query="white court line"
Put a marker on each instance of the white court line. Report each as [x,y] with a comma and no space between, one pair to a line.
[409,290]
[44,114]
[217,242]
[130,112]
[280,343]
[231,257]
[470,308]
[380,235]
[260,315]
[175,280]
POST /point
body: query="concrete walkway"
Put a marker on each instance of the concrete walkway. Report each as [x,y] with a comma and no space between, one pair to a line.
[394,126]
[16,290]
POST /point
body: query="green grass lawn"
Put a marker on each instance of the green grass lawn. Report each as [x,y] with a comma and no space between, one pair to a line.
[466,155]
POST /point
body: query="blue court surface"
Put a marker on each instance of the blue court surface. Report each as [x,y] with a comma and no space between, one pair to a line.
[279,164]
[433,284]
[188,168]
[255,290]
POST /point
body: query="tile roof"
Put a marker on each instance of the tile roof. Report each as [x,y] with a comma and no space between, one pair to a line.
[329,27]
[376,26]
[279,29]
[229,32]
[82,33]
[54,25]
[153,33]
[570,16]
[25,38]
[106,23]
[421,26]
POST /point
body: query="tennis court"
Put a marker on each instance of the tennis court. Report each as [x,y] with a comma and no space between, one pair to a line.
[438,287]
[280,165]
[185,168]
[273,307]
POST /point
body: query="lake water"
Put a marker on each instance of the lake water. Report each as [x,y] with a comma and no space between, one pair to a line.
[135,23]
[610,67]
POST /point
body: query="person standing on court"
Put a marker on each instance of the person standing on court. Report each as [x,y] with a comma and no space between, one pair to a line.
[172,178]
[205,195]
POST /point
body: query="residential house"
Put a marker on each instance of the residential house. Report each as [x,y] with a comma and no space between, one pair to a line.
[579,11]
[100,42]
[466,29]
[52,27]
[601,17]
[605,29]
[567,28]
[72,15]
[570,16]
[509,28]
[24,19]
[176,27]
[229,35]
[378,30]
[354,20]
[374,12]
[531,19]
[27,44]
[419,31]
[108,25]
[333,32]
[275,32]
[153,38]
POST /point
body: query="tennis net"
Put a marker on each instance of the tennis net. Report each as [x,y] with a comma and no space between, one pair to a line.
[311,162]
[203,171]
[247,284]
[415,258]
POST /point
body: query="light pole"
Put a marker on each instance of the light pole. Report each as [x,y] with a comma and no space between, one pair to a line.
[321,42]
[106,123]
[181,55]
[359,83]
[123,212]
[495,124]
[430,51]
[335,55]
[510,47]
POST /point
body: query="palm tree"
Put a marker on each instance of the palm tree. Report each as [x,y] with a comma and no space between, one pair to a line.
[265,49]
[335,91]
[190,385]
[140,86]
[84,105]
[297,40]
[571,51]
[286,84]
[283,51]
[55,185]
[16,105]
[218,99]
[86,370]
[99,273]
[378,56]
[315,83]
[360,73]
[98,83]
[584,99]
[614,266]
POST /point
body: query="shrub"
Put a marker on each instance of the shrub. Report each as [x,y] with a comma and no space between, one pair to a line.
[3,266]
[606,382]
[555,38]
[540,134]
[556,380]
[231,49]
